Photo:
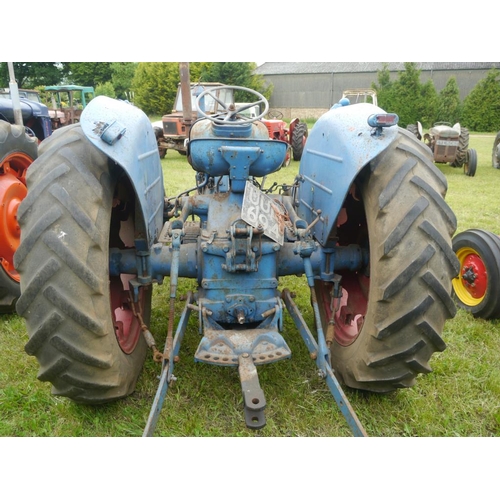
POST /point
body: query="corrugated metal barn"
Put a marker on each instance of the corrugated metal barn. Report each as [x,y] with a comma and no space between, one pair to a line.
[308,89]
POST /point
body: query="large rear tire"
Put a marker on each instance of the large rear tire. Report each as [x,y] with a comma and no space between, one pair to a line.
[17,152]
[299,137]
[79,320]
[496,152]
[389,320]
[477,288]
[413,128]
[463,146]
[470,165]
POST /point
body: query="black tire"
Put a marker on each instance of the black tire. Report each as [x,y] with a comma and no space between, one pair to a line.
[78,206]
[496,152]
[390,318]
[17,151]
[463,146]
[470,164]
[413,129]
[477,288]
[299,136]
[162,150]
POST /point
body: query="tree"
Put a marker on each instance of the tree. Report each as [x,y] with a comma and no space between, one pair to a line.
[384,89]
[481,111]
[31,74]
[449,108]
[410,99]
[155,86]
[89,74]
[106,89]
[122,76]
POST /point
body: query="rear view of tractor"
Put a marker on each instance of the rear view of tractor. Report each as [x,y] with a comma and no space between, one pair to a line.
[364,224]
[449,145]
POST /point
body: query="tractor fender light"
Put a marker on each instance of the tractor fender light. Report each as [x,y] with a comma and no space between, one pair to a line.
[383,120]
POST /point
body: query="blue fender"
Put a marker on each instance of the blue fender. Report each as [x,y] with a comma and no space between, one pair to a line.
[124,133]
[339,145]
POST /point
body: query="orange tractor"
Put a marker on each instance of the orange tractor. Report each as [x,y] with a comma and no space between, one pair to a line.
[294,134]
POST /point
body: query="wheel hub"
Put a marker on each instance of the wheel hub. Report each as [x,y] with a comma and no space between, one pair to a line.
[474,276]
[12,192]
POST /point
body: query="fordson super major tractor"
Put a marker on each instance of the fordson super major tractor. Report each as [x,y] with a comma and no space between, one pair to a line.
[364,223]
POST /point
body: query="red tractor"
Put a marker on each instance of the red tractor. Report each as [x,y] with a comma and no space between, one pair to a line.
[294,134]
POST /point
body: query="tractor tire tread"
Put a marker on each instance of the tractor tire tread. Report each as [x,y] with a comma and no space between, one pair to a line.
[63,260]
[409,298]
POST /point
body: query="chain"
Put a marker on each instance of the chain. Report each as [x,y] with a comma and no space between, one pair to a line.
[148,336]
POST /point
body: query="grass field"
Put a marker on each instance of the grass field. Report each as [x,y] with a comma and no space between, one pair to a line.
[461,397]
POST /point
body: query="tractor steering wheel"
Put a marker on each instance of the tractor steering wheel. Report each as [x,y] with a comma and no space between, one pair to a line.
[230,113]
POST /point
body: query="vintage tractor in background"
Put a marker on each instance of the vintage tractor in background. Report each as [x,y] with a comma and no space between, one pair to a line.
[364,223]
[496,152]
[24,122]
[294,134]
[173,130]
[448,145]
[67,103]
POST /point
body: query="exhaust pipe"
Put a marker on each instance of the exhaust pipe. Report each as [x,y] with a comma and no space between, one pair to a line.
[14,95]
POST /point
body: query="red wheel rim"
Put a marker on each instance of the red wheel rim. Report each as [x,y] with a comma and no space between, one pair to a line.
[12,192]
[126,324]
[349,310]
[473,274]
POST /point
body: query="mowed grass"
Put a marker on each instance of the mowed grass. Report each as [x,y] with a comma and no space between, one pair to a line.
[461,397]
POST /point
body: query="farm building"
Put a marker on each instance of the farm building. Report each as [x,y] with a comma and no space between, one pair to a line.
[308,89]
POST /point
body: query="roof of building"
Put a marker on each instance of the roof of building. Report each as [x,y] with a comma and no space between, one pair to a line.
[287,68]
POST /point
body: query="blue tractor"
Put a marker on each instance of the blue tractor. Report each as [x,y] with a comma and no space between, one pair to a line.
[365,223]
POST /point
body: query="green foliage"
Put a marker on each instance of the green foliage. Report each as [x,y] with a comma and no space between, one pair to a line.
[407,96]
[482,106]
[31,74]
[106,89]
[450,107]
[155,86]
[384,89]
[89,74]
[121,78]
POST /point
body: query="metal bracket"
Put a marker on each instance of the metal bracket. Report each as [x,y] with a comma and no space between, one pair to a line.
[253,396]
[167,374]
[323,363]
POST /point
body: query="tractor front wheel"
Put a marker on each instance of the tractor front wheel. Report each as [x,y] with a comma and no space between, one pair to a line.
[477,287]
[470,164]
[388,321]
[80,320]
[17,152]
